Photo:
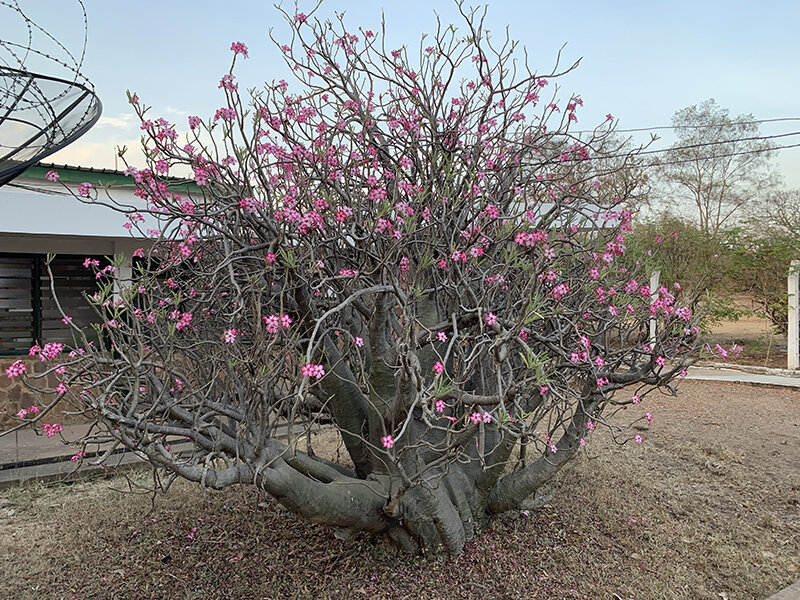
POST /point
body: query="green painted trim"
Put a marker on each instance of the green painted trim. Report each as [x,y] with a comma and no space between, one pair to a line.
[103,177]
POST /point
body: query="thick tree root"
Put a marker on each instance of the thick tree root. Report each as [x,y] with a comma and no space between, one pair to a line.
[439,517]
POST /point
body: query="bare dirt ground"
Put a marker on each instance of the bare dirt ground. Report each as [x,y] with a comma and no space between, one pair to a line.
[707,508]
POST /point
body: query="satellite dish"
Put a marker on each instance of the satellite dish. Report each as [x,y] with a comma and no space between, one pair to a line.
[40,113]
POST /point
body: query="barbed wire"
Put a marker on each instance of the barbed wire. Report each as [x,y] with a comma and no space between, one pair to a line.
[19,52]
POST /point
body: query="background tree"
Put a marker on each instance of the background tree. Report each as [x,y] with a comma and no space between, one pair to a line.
[778,214]
[701,262]
[411,245]
[716,166]
[761,257]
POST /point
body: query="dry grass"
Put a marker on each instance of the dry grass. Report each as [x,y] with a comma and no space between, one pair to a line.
[707,508]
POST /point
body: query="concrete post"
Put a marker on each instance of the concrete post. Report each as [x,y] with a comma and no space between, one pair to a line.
[125,273]
[653,297]
[793,354]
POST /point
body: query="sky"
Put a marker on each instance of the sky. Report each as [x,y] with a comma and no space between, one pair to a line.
[639,60]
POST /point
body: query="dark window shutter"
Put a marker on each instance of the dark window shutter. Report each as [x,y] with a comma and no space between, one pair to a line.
[16,304]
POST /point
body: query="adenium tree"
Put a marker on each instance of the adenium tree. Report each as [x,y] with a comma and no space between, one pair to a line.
[410,247]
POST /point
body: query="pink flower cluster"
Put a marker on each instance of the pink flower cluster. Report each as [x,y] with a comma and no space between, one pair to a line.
[183,321]
[343,214]
[230,335]
[16,369]
[726,354]
[483,417]
[529,240]
[24,412]
[52,429]
[50,351]
[274,323]
[560,291]
[239,48]
[312,370]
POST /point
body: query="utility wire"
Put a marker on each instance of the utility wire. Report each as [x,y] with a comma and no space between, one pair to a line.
[721,126]
[721,142]
[678,162]
[706,144]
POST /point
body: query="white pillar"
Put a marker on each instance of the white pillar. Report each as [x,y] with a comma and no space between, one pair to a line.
[653,297]
[123,276]
[793,354]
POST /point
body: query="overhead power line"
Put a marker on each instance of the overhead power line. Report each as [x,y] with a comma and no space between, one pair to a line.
[722,142]
[756,151]
[720,126]
[706,144]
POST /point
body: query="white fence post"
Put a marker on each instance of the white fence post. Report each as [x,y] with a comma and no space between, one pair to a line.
[653,297]
[793,354]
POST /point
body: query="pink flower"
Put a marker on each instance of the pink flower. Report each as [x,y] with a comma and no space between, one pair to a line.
[270,258]
[52,176]
[387,441]
[312,370]
[544,389]
[636,398]
[61,389]
[16,369]
[358,342]
[442,336]
[477,418]
[649,417]
[239,48]
[439,406]
[78,455]
[602,382]
[590,425]
[491,319]
[583,442]
[492,211]
[51,350]
[438,367]
[33,409]
[230,335]
[553,448]
[22,413]
[51,430]
[661,361]
[638,439]
[560,291]
[194,122]
[84,189]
